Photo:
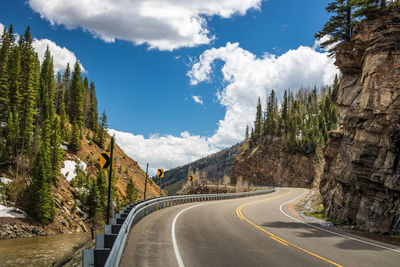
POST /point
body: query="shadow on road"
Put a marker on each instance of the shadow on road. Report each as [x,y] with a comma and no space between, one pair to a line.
[306,231]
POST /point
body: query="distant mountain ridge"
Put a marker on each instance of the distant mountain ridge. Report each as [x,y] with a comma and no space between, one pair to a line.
[216,165]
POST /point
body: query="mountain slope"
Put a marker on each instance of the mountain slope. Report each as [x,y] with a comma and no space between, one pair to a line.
[269,164]
[70,217]
[215,166]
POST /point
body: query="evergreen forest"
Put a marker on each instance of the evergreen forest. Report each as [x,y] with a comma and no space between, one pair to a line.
[40,112]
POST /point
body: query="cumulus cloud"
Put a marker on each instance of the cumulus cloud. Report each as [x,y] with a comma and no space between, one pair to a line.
[163,151]
[162,24]
[61,55]
[197,99]
[248,77]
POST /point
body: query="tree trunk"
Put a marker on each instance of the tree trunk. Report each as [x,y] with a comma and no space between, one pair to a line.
[348,21]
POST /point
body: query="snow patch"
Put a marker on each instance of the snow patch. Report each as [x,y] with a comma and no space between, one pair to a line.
[64,147]
[11,212]
[82,214]
[5,180]
[69,170]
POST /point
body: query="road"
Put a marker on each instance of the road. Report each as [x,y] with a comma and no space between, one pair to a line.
[254,231]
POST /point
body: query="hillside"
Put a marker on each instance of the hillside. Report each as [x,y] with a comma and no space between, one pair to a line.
[215,166]
[284,147]
[70,216]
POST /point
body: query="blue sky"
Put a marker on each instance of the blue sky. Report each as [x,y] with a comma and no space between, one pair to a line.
[147,89]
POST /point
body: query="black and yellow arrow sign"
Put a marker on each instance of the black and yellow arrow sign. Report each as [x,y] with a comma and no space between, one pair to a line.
[160,173]
[105,160]
[190,178]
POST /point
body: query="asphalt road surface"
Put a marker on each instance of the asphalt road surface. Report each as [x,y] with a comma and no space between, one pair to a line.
[253,231]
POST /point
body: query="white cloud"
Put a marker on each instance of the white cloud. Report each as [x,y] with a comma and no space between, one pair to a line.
[162,24]
[317,44]
[245,77]
[197,99]
[249,77]
[163,151]
[61,55]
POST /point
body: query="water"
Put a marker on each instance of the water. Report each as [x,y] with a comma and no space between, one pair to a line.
[38,251]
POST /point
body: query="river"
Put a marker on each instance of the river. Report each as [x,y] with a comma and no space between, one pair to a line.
[38,251]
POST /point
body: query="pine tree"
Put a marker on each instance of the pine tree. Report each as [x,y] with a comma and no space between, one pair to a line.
[75,137]
[56,151]
[93,200]
[102,129]
[93,116]
[47,88]
[131,192]
[284,117]
[258,126]
[63,117]
[46,134]
[76,100]
[247,132]
[335,82]
[66,88]
[102,188]
[253,139]
[11,133]
[15,78]
[271,114]
[29,69]
[86,100]
[5,50]
[41,201]
[59,93]
[368,8]
[339,27]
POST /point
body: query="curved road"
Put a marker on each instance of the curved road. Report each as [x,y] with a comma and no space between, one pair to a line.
[254,231]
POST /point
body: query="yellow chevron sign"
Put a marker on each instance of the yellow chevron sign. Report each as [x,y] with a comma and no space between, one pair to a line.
[105,160]
[160,173]
[190,178]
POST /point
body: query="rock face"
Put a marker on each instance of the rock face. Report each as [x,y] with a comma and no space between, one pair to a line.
[270,165]
[361,180]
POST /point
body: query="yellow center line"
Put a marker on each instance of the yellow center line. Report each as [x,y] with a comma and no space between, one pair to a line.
[272,236]
[277,240]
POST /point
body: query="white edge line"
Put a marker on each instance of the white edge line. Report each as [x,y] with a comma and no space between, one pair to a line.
[334,233]
[174,243]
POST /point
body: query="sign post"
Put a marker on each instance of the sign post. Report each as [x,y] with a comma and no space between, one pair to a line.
[145,183]
[191,183]
[106,160]
[160,174]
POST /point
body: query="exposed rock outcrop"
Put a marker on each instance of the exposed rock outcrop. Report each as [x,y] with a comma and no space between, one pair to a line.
[361,180]
[269,164]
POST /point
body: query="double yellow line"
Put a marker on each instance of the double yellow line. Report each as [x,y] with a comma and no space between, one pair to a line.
[271,235]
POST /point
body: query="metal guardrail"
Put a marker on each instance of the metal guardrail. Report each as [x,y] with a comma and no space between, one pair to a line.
[132,214]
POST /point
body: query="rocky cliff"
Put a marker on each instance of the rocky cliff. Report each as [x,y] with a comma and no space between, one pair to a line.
[361,180]
[269,164]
